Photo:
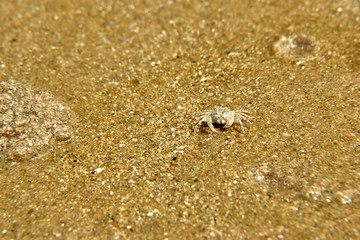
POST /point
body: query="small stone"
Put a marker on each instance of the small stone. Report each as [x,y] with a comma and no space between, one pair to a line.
[31,121]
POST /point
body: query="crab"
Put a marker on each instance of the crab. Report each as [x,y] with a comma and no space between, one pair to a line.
[222,116]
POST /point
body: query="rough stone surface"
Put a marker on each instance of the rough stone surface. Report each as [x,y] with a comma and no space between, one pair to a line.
[30,121]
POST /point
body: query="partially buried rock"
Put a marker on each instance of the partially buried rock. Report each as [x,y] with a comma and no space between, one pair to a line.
[31,121]
[296,46]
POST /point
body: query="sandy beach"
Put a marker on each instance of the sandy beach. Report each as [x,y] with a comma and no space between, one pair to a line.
[98,106]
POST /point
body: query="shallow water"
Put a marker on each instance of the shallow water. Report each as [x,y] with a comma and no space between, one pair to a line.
[135,75]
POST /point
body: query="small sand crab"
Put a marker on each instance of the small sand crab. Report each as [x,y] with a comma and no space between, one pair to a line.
[222,116]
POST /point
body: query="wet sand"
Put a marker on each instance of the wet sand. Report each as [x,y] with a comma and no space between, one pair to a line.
[135,75]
